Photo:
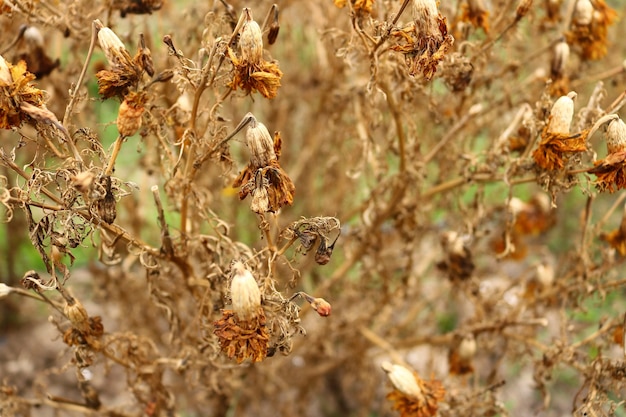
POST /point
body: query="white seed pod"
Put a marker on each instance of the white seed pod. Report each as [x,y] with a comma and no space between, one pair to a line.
[260,200]
[403,380]
[615,136]
[425,15]
[561,114]
[260,144]
[110,43]
[5,73]
[251,42]
[560,58]
[467,347]
[244,292]
[34,36]
[583,13]
[4,290]
[453,243]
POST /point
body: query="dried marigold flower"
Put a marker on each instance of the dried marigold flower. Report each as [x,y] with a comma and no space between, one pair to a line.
[244,292]
[426,41]
[19,99]
[589,29]
[76,314]
[130,112]
[241,339]
[475,12]
[458,264]
[611,171]
[556,141]
[460,357]
[357,5]
[412,396]
[112,46]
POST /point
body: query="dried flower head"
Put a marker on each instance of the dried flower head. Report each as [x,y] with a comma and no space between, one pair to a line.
[611,171]
[589,28]
[458,263]
[364,6]
[125,72]
[475,12]
[556,141]
[19,99]
[83,181]
[560,79]
[244,292]
[426,41]
[106,205]
[263,178]
[76,314]
[252,72]
[413,396]
[461,355]
[130,112]
[243,339]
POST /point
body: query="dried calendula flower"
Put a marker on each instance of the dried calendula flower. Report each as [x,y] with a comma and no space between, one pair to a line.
[263,178]
[357,5]
[240,339]
[76,314]
[413,396]
[252,72]
[19,99]
[130,112]
[589,28]
[244,292]
[556,140]
[475,12]
[617,238]
[461,355]
[426,40]
[611,171]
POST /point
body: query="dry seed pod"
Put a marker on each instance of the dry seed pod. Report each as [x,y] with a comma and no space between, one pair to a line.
[561,114]
[76,314]
[403,380]
[322,307]
[425,14]
[4,290]
[260,144]
[583,13]
[130,112]
[109,42]
[251,40]
[545,274]
[615,136]
[559,60]
[244,292]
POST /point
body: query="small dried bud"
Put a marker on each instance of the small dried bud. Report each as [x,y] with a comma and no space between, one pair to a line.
[559,60]
[260,196]
[260,144]
[106,206]
[425,15]
[522,8]
[403,380]
[324,252]
[561,114]
[616,136]
[453,243]
[517,206]
[467,347]
[5,73]
[583,13]
[76,314]
[245,293]
[4,290]
[83,181]
[130,112]
[110,43]
[251,40]
[322,307]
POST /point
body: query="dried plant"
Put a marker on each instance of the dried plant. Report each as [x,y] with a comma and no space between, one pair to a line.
[433,226]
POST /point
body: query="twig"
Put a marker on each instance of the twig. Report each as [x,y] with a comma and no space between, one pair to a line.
[166,240]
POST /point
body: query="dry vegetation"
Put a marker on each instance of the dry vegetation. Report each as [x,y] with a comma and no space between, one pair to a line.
[348,208]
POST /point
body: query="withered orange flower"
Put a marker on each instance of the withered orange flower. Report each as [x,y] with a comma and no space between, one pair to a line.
[590,27]
[89,335]
[475,12]
[554,147]
[16,91]
[263,76]
[458,263]
[242,339]
[357,5]
[412,396]
[617,238]
[458,365]
[426,41]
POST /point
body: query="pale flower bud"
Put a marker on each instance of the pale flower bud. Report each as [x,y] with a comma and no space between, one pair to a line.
[403,380]
[4,290]
[560,58]
[615,136]
[260,144]
[251,40]
[244,292]
[109,42]
[561,114]
[5,73]
[34,36]
[545,274]
[583,13]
